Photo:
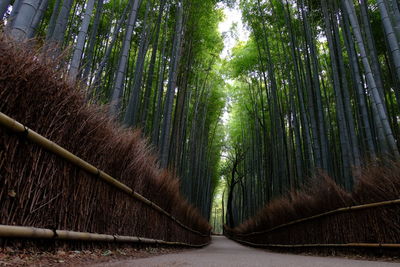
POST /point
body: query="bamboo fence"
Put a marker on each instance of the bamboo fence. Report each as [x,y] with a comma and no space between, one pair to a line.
[238,236]
[20,231]
[42,233]
[332,212]
[347,245]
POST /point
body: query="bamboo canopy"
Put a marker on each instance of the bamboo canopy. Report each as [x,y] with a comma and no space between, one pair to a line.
[22,130]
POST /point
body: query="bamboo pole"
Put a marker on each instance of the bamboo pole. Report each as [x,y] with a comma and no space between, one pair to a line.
[360,245]
[18,128]
[9,231]
[340,210]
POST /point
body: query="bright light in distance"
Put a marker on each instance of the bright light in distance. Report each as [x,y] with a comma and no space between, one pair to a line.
[232,36]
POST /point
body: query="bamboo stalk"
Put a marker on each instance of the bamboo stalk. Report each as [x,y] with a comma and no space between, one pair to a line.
[361,245]
[9,231]
[351,208]
[52,147]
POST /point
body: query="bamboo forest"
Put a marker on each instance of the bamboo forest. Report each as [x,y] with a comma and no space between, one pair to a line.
[173,123]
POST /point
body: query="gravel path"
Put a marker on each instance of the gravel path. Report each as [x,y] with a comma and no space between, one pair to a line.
[224,252]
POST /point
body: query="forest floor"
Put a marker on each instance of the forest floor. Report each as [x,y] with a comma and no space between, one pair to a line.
[65,257]
[224,252]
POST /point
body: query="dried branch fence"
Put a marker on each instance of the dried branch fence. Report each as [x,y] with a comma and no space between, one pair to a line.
[286,231]
[12,231]
[41,185]
[27,232]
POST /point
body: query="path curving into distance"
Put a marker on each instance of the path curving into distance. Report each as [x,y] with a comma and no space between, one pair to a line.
[224,252]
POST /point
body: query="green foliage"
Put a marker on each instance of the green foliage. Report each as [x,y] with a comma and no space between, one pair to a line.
[244,59]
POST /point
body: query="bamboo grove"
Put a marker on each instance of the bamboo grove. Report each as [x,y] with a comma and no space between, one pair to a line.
[316,90]
[153,64]
[313,92]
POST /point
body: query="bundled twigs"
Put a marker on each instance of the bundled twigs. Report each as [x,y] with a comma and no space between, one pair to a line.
[39,189]
[240,237]
[348,245]
[324,215]
[22,130]
[332,212]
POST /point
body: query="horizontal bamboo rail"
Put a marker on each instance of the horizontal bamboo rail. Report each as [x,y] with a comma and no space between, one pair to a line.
[41,233]
[340,210]
[359,245]
[18,128]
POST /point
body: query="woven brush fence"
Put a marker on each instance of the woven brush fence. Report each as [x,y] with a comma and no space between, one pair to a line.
[40,189]
[320,215]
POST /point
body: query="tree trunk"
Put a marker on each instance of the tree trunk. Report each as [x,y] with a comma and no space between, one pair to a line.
[150,75]
[131,114]
[371,48]
[62,22]
[92,41]
[118,87]
[4,4]
[21,25]
[80,43]
[158,95]
[317,90]
[391,37]
[348,112]
[355,70]
[14,13]
[107,54]
[52,23]
[176,50]
[38,18]
[371,81]
[344,139]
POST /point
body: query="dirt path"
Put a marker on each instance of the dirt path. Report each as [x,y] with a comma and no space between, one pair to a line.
[224,252]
